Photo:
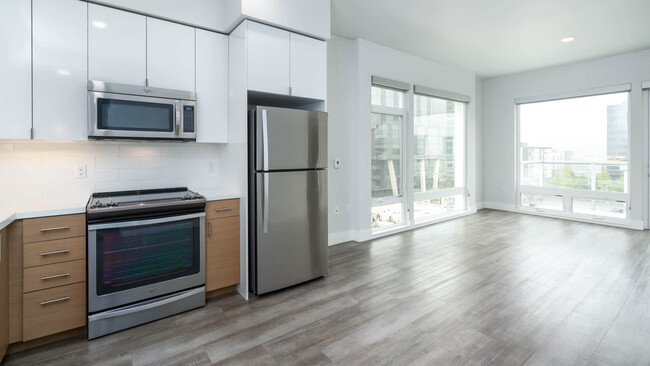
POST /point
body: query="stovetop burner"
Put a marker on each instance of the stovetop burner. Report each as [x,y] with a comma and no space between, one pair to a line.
[105,204]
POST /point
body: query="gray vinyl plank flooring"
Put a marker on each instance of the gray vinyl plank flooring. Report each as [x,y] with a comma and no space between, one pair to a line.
[494,288]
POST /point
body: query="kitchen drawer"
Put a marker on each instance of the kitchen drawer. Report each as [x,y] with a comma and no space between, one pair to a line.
[54,251]
[53,275]
[223,208]
[55,310]
[53,227]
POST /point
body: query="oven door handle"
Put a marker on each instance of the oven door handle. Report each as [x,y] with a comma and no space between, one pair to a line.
[151,304]
[162,220]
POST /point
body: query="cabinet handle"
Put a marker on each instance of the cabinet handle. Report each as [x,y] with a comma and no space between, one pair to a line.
[55,276]
[57,252]
[210,230]
[223,209]
[57,300]
[55,229]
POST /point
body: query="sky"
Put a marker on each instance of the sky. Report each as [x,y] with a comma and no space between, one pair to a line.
[577,124]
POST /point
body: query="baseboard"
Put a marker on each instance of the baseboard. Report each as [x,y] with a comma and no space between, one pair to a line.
[632,224]
[499,206]
[480,205]
[340,237]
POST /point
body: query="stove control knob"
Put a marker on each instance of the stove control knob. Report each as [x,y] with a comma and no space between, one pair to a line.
[197,196]
[110,203]
[187,196]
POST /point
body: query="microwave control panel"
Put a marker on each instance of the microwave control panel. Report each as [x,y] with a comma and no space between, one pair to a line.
[188,118]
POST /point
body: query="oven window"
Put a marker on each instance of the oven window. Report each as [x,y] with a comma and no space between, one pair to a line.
[115,114]
[141,255]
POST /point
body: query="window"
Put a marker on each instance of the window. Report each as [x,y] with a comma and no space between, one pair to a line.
[438,158]
[573,155]
[387,171]
[417,162]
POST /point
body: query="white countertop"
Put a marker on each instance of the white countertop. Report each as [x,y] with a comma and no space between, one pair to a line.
[10,211]
[216,194]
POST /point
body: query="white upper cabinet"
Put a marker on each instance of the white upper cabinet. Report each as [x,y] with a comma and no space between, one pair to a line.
[117,46]
[16,69]
[268,59]
[308,67]
[281,62]
[211,87]
[60,69]
[170,55]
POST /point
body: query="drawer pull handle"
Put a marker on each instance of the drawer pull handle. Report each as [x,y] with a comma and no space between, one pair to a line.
[55,229]
[223,209]
[55,276]
[57,300]
[57,252]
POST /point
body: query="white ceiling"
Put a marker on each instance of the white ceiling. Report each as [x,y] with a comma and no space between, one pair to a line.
[497,37]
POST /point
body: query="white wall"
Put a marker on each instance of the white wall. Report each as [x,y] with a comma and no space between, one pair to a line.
[208,14]
[309,17]
[499,118]
[44,170]
[351,63]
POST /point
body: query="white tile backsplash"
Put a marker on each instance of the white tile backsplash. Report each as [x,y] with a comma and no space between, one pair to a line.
[44,170]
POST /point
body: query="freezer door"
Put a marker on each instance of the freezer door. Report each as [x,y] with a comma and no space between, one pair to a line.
[291,228]
[290,139]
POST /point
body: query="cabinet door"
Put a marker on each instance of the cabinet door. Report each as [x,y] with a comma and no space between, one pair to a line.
[170,55]
[16,69]
[211,86]
[117,46]
[222,253]
[268,59]
[60,69]
[308,67]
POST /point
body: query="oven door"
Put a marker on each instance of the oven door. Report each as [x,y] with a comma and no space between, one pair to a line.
[130,116]
[137,260]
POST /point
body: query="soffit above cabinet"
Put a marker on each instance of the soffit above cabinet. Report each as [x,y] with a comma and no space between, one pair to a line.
[310,18]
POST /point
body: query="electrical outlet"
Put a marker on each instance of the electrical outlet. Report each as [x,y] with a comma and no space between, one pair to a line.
[336,210]
[80,171]
[337,163]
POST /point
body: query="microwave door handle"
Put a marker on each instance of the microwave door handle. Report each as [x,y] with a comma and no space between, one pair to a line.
[177,107]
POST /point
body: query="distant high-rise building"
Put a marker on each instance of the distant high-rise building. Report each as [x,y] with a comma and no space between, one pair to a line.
[617,131]
[616,137]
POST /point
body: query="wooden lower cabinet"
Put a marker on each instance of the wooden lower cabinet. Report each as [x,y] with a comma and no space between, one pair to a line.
[222,253]
[54,310]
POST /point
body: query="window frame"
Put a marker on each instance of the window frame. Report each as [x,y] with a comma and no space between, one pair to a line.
[408,197]
[385,201]
[440,193]
[568,194]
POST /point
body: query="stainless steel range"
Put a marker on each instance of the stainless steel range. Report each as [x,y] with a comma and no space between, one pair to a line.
[146,257]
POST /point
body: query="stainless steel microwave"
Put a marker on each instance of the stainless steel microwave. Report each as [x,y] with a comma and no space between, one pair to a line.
[118,111]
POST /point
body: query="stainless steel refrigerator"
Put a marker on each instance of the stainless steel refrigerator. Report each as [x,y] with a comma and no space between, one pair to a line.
[288,197]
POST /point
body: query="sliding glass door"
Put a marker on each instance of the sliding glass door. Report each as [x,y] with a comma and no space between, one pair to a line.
[438,157]
[417,159]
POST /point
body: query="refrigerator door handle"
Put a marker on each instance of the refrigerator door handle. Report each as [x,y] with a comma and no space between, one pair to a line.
[265,139]
[265,209]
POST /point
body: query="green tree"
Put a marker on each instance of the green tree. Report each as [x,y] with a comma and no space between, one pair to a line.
[604,180]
